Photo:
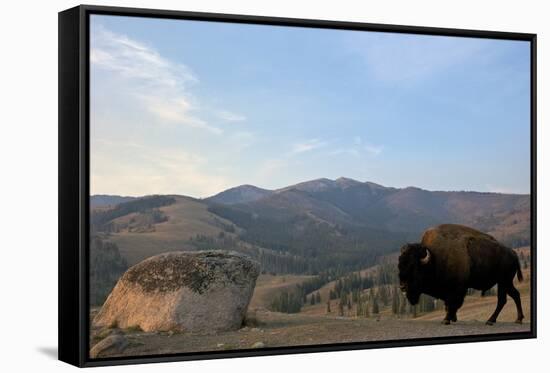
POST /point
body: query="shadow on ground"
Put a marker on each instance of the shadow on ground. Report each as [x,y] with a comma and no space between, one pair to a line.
[50,352]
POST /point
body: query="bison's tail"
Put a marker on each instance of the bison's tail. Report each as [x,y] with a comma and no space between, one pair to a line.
[520,275]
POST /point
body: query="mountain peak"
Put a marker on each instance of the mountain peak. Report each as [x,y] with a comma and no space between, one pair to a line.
[240,194]
[316,185]
[347,182]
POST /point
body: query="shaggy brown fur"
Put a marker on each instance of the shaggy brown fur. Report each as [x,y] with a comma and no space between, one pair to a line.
[459,258]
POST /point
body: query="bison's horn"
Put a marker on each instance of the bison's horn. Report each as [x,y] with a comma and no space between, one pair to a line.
[426,259]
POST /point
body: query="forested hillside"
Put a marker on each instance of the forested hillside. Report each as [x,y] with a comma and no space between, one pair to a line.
[308,228]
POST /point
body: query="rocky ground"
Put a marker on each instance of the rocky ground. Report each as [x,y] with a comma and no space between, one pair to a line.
[312,326]
[277,330]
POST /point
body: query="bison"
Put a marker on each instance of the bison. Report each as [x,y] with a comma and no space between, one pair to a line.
[453,258]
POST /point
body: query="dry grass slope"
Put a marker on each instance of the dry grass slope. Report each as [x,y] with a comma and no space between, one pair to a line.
[268,286]
[187,218]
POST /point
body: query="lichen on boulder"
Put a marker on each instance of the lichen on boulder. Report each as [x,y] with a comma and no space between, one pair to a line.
[196,291]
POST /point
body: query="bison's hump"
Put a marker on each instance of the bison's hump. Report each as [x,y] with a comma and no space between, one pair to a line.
[451,246]
[452,236]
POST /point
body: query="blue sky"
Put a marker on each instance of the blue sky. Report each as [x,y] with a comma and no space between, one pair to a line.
[194,108]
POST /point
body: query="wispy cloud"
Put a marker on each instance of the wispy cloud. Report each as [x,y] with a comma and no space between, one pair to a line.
[374,149]
[307,146]
[353,152]
[280,166]
[136,60]
[159,84]
[357,148]
[400,58]
[175,110]
[229,116]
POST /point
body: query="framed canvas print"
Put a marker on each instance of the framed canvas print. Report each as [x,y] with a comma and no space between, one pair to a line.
[235,186]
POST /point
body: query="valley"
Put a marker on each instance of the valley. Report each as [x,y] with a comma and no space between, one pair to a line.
[328,256]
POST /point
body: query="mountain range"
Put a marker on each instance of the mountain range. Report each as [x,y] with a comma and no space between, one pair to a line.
[342,222]
[105,200]
[350,202]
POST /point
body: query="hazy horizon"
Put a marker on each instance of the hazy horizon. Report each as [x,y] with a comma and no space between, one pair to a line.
[303,181]
[194,108]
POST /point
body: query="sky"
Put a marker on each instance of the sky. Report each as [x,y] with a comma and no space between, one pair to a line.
[194,108]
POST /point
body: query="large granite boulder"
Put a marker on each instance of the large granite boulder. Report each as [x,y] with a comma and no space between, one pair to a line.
[201,292]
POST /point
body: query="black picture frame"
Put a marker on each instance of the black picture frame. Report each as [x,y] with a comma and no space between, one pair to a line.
[74,181]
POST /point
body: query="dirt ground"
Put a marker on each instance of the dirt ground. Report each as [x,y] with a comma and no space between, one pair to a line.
[276,330]
[313,326]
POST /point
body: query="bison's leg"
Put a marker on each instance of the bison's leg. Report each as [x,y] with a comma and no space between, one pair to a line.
[452,305]
[447,319]
[457,303]
[500,304]
[450,316]
[514,294]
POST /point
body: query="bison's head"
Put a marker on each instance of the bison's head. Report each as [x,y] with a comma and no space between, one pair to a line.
[413,263]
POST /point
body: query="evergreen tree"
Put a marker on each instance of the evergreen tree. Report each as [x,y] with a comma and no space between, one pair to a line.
[395,301]
[287,302]
[338,288]
[371,293]
[375,309]
[359,308]
[383,294]
[355,295]
[403,305]
[106,267]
